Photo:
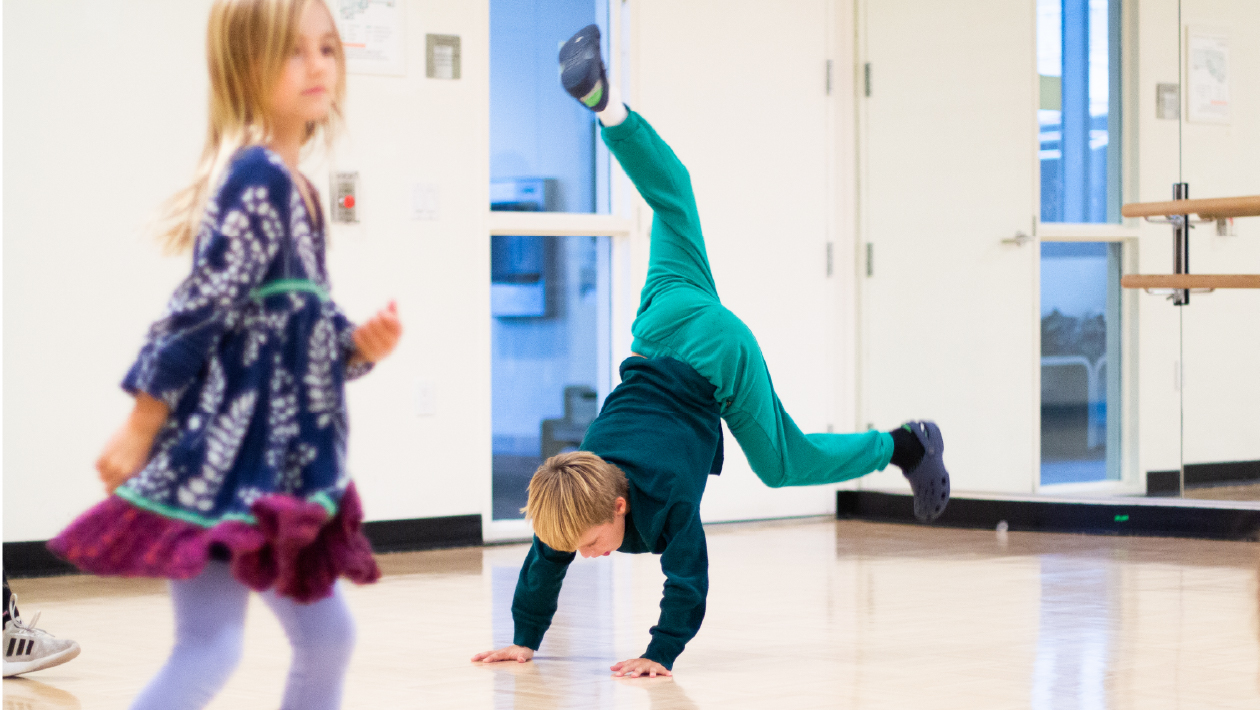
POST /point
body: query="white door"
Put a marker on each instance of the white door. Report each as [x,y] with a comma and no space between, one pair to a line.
[947,140]
[753,125]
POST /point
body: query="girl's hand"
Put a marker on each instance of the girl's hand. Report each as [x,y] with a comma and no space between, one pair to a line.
[520,654]
[376,339]
[128,449]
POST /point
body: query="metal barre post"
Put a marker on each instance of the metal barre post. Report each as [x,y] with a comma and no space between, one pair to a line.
[1181,242]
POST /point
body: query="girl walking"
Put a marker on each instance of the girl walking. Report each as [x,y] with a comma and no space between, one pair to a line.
[230,473]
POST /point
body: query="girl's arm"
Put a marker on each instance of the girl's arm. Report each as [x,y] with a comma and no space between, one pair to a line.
[242,234]
[231,259]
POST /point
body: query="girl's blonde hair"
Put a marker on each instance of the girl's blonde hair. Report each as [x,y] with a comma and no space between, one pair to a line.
[248,43]
[570,494]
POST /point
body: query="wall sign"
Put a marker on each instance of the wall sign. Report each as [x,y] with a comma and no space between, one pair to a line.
[1207,64]
[372,34]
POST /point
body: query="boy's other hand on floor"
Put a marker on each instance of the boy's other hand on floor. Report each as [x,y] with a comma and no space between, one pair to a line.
[636,667]
[520,654]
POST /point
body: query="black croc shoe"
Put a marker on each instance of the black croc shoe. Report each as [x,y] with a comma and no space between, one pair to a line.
[929,480]
[582,69]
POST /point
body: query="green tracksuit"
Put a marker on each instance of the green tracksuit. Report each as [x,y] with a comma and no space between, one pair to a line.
[681,317]
[660,425]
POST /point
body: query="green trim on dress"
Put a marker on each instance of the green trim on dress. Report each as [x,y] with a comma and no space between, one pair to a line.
[288,286]
[321,499]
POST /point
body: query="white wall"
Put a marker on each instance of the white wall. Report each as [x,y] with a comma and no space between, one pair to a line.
[737,88]
[104,114]
[103,119]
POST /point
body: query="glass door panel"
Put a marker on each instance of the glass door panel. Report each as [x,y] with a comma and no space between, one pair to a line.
[550,362]
[1080,362]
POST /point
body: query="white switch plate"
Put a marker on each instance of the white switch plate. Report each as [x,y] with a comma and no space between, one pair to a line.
[424,202]
[425,399]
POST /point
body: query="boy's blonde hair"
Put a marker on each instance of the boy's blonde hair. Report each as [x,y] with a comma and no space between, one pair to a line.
[570,494]
[248,43]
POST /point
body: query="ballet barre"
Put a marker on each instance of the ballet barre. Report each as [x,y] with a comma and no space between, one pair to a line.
[1179,284]
[1190,281]
[1207,209]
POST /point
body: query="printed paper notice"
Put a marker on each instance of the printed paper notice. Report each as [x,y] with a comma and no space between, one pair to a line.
[1208,64]
[372,34]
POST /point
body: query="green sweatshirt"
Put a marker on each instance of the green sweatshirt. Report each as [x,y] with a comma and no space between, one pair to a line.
[661,426]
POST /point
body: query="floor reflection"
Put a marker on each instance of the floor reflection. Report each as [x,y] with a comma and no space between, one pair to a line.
[1077,616]
[28,694]
[570,669]
[663,693]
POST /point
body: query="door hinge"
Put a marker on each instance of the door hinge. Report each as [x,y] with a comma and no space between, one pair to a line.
[866,79]
[870,259]
[829,77]
[831,261]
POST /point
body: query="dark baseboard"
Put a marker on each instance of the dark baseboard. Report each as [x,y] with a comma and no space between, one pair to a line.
[1102,518]
[32,559]
[424,533]
[1163,483]
[1202,475]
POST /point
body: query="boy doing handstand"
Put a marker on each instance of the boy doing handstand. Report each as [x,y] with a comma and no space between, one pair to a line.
[636,484]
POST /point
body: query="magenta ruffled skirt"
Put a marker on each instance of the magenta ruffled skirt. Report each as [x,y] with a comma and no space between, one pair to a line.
[294,548]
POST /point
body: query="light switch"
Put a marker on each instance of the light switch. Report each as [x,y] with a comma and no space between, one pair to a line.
[442,56]
[425,399]
[1168,101]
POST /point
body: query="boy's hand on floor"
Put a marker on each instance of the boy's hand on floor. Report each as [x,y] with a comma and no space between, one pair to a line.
[636,667]
[520,654]
[376,339]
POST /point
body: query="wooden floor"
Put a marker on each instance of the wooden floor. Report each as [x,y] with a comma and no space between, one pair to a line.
[1241,492]
[813,614]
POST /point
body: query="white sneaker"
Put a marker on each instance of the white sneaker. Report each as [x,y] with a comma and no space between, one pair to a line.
[27,648]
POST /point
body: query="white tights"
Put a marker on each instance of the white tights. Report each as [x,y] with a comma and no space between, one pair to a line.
[209,635]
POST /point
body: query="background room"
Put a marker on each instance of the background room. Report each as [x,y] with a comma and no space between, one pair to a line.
[917,207]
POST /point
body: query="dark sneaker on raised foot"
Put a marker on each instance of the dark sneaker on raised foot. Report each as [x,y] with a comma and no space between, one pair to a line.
[582,69]
[929,480]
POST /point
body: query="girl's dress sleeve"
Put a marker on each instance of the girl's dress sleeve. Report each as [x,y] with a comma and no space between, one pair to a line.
[345,339]
[239,237]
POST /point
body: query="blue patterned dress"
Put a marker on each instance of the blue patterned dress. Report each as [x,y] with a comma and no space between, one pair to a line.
[251,356]
[255,382]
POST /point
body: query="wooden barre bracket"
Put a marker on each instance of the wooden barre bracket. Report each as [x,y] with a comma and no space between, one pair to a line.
[1190,281]
[1211,208]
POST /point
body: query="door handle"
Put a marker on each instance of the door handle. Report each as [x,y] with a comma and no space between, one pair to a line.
[1020,239]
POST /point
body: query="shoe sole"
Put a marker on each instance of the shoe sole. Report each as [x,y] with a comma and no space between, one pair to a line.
[929,492]
[12,668]
[593,96]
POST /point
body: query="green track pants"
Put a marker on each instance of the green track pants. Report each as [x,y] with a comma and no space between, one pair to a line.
[681,317]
